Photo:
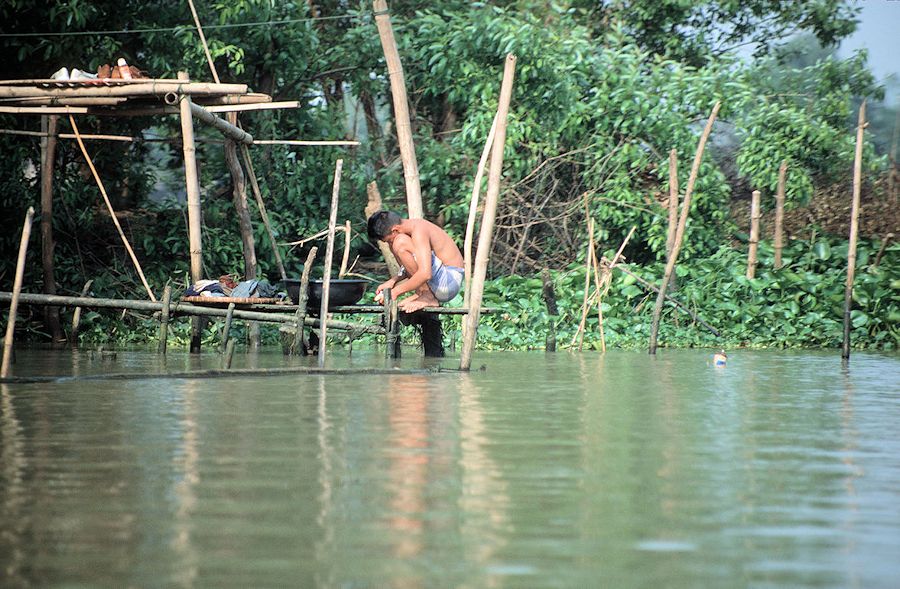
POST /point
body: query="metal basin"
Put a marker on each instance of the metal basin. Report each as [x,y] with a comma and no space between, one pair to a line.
[341,292]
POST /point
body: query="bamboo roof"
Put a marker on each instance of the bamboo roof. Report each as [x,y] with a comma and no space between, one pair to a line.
[118,97]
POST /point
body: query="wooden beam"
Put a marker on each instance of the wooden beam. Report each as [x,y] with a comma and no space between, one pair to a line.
[227,129]
[154,88]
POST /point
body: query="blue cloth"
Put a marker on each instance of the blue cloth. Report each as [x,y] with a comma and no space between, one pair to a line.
[445,280]
[244,289]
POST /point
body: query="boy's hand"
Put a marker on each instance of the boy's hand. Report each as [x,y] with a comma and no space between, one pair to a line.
[379,296]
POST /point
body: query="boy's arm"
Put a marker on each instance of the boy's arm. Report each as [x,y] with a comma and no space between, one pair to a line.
[421,246]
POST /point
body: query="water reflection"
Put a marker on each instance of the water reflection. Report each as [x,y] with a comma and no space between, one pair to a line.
[12,493]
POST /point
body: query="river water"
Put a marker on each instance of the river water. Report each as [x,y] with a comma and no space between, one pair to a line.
[781,469]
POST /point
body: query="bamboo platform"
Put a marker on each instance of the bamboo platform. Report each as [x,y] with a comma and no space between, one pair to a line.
[217,301]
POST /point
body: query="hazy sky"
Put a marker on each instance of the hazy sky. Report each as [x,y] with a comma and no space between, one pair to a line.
[879,32]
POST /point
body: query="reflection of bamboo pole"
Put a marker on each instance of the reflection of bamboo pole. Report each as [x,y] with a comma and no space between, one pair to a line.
[329,254]
[112,213]
[263,213]
[17,289]
[473,211]
[490,211]
[682,222]
[854,227]
[754,234]
[779,214]
[401,109]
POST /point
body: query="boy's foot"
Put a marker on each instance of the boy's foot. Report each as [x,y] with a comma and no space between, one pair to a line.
[417,302]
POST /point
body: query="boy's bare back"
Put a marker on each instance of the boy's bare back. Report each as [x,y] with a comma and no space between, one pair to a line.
[437,239]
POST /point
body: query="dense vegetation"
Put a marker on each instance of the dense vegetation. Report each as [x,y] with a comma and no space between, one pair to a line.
[603,91]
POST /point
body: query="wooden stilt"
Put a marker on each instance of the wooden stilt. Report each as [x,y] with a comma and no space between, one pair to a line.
[754,235]
[673,202]
[48,157]
[164,320]
[778,238]
[490,212]
[329,254]
[401,110]
[229,354]
[192,183]
[682,222]
[76,317]
[226,329]
[17,289]
[549,295]
[391,325]
[854,228]
[299,346]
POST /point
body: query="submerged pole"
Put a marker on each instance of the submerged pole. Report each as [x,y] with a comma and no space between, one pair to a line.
[486,234]
[164,320]
[779,214]
[854,227]
[17,289]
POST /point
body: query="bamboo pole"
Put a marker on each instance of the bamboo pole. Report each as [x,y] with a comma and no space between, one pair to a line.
[229,130]
[473,211]
[549,294]
[302,142]
[779,214]
[164,320]
[112,213]
[585,304]
[754,235]
[401,109]
[17,289]
[490,212]
[346,257]
[682,222]
[329,254]
[302,297]
[193,186]
[48,157]
[226,329]
[76,316]
[673,202]
[209,59]
[151,88]
[180,309]
[854,228]
[261,205]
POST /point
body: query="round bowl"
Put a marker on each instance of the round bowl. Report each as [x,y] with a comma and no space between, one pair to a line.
[341,292]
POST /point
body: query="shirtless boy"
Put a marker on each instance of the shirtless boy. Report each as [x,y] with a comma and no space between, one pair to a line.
[431,264]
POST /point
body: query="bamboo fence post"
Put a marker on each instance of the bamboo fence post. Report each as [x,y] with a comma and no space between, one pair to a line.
[754,235]
[261,205]
[346,256]
[682,222]
[302,297]
[229,354]
[194,212]
[48,156]
[673,202]
[598,293]
[490,212]
[226,329]
[401,109]
[164,320]
[209,59]
[579,333]
[17,289]
[779,214]
[112,213]
[884,243]
[329,253]
[239,197]
[76,316]
[473,212]
[854,227]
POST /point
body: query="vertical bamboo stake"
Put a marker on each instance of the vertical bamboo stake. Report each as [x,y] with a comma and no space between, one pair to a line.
[329,254]
[192,184]
[164,320]
[673,202]
[76,316]
[754,235]
[473,212]
[302,297]
[549,294]
[854,226]
[490,212]
[346,257]
[779,214]
[17,289]
[263,213]
[226,329]
[401,109]
[48,156]
[112,213]
[682,222]
[598,293]
[585,304]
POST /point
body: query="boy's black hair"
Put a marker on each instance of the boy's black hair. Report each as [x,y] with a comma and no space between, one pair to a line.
[380,223]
